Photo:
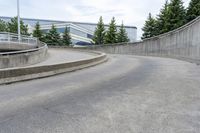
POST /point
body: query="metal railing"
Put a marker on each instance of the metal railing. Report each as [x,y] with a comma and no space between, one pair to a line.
[11,37]
[43,46]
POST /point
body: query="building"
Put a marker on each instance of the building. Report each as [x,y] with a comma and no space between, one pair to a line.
[81,33]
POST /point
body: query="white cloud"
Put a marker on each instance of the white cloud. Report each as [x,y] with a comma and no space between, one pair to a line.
[132,12]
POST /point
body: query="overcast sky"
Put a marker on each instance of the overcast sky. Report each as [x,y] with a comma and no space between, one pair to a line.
[131,12]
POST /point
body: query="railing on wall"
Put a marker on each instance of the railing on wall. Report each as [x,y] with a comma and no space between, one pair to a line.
[11,37]
[41,46]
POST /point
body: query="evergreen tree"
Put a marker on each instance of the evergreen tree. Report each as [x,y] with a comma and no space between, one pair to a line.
[52,37]
[122,35]
[37,32]
[162,19]
[3,26]
[149,28]
[66,38]
[193,10]
[176,15]
[99,34]
[111,34]
[13,26]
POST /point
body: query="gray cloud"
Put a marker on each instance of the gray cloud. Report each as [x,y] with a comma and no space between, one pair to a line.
[132,12]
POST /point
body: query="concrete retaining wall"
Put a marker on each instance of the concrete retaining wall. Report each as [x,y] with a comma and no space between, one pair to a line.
[15,46]
[23,58]
[27,73]
[182,43]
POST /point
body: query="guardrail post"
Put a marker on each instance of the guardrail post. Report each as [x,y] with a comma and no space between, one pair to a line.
[8,35]
[37,42]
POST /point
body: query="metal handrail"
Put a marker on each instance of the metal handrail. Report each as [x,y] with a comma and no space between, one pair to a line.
[41,46]
[11,37]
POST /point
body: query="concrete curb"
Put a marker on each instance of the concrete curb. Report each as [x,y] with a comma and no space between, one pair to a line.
[28,73]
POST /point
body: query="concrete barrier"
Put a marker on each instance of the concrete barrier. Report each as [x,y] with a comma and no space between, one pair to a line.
[11,42]
[15,46]
[182,43]
[23,58]
[27,73]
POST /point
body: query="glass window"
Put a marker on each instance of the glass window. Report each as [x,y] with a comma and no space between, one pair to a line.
[78,32]
[89,36]
[78,42]
[60,30]
[45,31]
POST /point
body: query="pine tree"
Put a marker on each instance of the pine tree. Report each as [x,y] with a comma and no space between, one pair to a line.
[111,34]
[99,34]
[3,26]
[37,32]
[13,26]
[53,37]
[122,35]
[149,28]
[66,38]
[176,15]
[193,10]
[161,19]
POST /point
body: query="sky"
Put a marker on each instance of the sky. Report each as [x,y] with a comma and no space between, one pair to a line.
[130,12]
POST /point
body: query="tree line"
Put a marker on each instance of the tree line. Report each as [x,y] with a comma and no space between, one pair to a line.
[52,37]
[172,16]
[12,26]
[111,35]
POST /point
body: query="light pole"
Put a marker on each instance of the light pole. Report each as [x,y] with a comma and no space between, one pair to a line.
[18,19]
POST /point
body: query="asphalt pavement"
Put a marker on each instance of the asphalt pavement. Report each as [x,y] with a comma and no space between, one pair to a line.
[127,94]
[58,56]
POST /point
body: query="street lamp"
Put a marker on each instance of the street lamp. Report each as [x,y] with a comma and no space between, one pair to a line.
[18,19]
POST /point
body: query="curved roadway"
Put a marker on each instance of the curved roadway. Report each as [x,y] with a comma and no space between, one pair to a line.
[128,94]
[58,56]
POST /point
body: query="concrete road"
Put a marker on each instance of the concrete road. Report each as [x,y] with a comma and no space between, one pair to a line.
[58,56]
[128,94]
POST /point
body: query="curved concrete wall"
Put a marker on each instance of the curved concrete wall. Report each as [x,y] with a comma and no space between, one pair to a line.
[33,72]
[10,42]
[182,43]
[23,58]
[14,46]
